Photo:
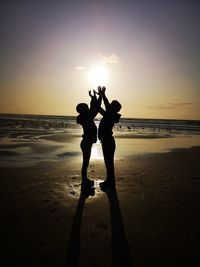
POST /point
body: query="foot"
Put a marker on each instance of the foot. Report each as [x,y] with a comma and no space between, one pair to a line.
[87,191]
[87,183]
[107,185]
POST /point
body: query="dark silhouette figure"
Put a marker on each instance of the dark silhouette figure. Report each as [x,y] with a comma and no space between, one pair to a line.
[73,252]
[120,248]
[110,117]
[86,119]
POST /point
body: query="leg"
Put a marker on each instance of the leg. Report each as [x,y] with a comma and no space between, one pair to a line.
[108,153]
[86,150]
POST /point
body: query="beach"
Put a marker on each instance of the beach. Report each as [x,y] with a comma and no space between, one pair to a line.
[151,219]
[124,73]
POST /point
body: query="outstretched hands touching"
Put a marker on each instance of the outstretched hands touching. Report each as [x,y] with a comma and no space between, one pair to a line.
[95,103]
[101,92]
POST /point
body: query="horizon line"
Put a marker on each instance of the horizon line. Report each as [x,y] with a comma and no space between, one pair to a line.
[128,118]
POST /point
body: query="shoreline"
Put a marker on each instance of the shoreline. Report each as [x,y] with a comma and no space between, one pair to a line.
[30,149]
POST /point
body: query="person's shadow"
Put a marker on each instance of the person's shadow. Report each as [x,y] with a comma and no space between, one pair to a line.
[120,248]
[73,252]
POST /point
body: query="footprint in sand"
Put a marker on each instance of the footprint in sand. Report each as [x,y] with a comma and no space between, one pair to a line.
[72,193]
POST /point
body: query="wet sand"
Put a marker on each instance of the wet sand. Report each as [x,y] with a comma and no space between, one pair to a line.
[152,219]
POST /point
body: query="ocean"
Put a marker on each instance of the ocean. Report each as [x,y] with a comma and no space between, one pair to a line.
[130,126]
[29,139]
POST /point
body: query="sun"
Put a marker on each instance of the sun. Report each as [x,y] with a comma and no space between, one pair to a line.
[98,75]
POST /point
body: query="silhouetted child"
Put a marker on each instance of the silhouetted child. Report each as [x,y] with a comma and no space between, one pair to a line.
[86,119]
[110,117]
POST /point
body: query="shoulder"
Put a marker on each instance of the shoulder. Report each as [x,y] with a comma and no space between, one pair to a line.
[117,117]
[79,119]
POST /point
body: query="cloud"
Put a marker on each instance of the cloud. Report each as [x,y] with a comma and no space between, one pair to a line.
[170,106]
[106,59]
[80,68]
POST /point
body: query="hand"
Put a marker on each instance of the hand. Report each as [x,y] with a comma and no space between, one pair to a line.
[94,96]
[103,89]
[90,93]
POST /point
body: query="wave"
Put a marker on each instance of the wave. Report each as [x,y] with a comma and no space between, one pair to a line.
[15,124]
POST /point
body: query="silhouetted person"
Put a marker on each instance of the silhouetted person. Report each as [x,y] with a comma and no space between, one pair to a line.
[86,119]
[110,117]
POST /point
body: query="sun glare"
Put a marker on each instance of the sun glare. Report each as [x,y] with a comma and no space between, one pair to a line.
[96,152]
[98,75]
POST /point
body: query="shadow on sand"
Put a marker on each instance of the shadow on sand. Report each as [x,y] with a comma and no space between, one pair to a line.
[120,250]
[73,252]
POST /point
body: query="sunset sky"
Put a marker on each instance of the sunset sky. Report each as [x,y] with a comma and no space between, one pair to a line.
[145,52]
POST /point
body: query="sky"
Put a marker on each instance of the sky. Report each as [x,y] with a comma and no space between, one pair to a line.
[145,52]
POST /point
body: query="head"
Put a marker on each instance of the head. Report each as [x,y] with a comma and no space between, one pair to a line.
[82,108]
[115,106]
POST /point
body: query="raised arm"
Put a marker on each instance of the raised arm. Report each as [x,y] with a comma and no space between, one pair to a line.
[94,103]
[105,99]
[102,111]
[100,97]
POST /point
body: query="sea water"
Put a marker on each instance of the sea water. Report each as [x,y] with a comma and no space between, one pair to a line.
[29,139]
